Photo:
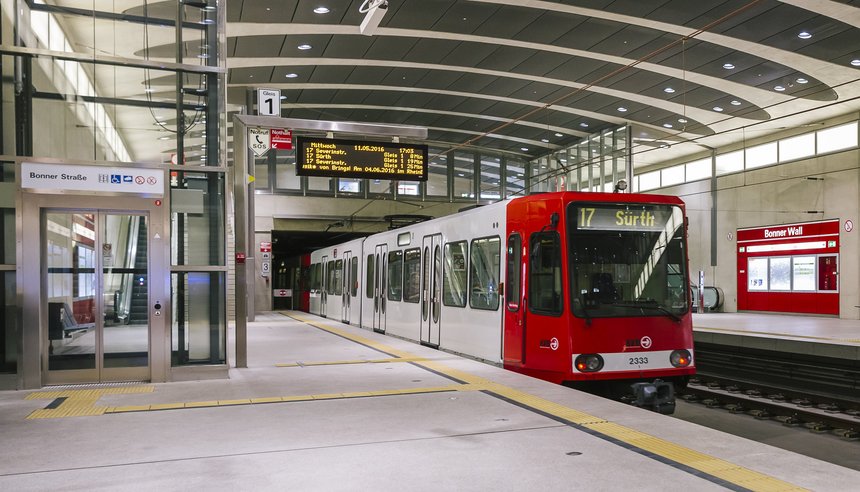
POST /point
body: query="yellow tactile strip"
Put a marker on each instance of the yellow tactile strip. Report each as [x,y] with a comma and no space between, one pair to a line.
[347,362]
[79,403]
[82,403]
[664,450]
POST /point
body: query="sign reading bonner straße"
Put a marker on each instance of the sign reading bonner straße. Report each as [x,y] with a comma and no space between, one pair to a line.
[360,159]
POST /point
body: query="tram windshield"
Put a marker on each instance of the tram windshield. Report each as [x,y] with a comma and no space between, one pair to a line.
[627,260]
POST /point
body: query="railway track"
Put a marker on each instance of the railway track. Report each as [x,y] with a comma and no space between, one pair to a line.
[803,390]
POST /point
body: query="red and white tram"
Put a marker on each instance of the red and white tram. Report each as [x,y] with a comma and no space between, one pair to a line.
[575,288]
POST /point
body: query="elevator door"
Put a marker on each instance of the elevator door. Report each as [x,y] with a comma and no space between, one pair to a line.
[95,273]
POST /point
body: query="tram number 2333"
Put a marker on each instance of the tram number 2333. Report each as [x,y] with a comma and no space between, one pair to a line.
[637,361]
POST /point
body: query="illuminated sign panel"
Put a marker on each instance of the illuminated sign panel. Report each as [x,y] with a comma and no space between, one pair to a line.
[622,218]
[360,159]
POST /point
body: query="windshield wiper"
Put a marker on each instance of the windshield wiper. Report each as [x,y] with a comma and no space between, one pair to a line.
[649,304]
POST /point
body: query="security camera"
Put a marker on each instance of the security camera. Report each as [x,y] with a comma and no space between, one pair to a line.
[375,12]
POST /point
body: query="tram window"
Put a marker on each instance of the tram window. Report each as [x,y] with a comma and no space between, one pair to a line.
[512,273]
[314,277]
[368,279]
[353,266]
[395,275]
[454,283]
[412,275]
[330,279]
[484,273]
[545,291]
[337,278]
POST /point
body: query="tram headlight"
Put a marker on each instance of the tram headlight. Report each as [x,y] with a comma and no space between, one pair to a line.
[588,363]
[680,358]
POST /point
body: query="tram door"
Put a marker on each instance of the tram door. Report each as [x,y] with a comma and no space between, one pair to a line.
[96,295]
[380,286]
[346,277]
[324,267]
[431,289]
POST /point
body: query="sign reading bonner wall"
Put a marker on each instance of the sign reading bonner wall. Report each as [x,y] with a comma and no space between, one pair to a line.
[137,180]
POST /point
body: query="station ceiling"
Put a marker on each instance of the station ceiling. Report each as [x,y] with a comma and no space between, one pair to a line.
[528,77]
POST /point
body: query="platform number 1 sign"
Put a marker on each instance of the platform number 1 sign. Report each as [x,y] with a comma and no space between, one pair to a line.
[269,102]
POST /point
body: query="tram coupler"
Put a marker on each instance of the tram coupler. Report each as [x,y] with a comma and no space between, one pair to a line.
[658,396]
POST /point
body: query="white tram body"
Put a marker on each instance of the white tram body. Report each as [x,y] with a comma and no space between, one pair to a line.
[435,282]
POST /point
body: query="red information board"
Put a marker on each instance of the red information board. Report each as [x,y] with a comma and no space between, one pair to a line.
[789,268]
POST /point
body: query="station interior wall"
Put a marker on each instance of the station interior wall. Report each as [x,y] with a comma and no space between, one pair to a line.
[819,188]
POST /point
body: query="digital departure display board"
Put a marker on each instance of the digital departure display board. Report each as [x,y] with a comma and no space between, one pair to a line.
[360,159]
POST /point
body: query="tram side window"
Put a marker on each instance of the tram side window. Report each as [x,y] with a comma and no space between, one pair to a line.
[412,275]
[484,272]
[353,266]
[329,284]
[315,276]
[395,275]
[545,295]
[454,277]
[338,277]
[368,279]
[512,272]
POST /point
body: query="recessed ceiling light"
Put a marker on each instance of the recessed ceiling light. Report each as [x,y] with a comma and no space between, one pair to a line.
[291,75]
[669,90]
[559,135]
[804,35]
[667,125]
[208,22]
[778,88]
[283,98]
[321,10]
[855,62]
[622,109]
[460,174]
[681,120]
[584,125]
[735,102]
[718,109]
[203,55]
[544,140]
[250,76]
[304,47]
[801,80]
[728,66]
[524,149]
[166,137]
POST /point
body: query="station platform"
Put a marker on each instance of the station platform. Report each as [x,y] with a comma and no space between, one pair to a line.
[826,337]
[328,406]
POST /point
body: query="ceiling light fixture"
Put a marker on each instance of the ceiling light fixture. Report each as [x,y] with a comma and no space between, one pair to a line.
[584,125]
[321,10]
[669,90]
[728,66]
[304,47]
[718,109]
[855,62]
[166,137]
[622,109]
[681,120]
[291,75]
[667,125]
[779,88]
[283,98]
[544,140]
[524,149]
[801,80]
[559,134]
[735,102]
[804,35]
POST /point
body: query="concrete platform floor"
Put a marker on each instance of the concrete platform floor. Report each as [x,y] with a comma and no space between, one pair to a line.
[414,419]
